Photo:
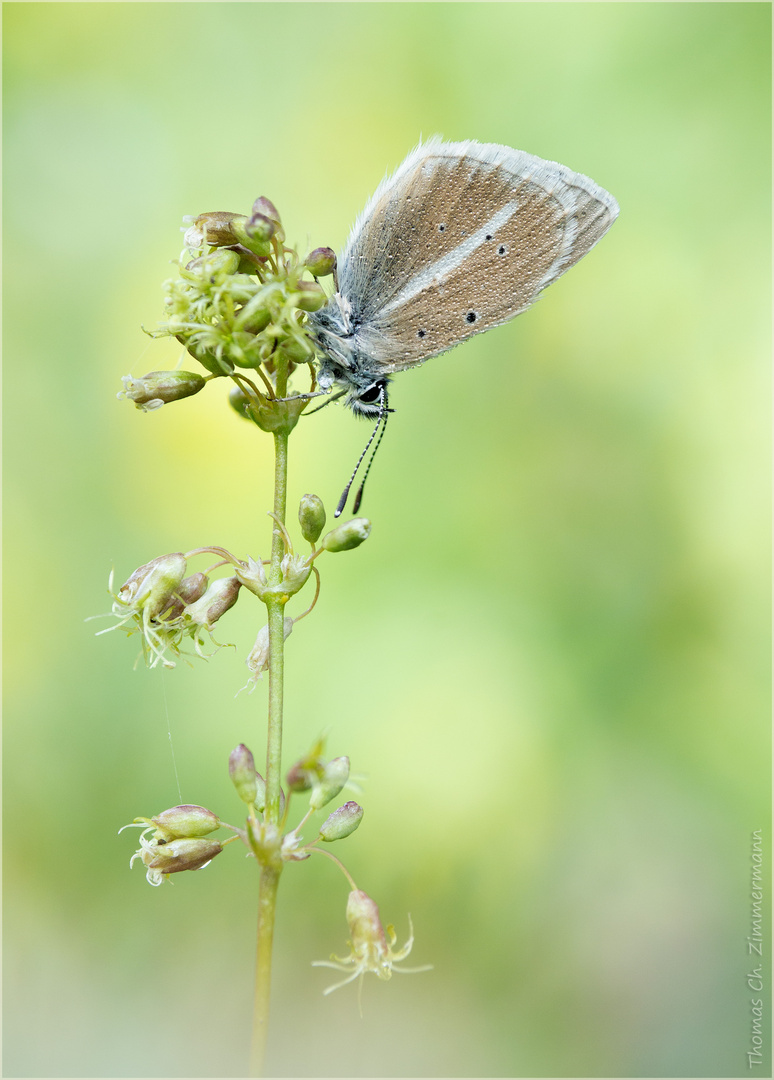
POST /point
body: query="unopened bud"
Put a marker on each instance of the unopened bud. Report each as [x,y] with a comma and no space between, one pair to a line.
[349,535]
[321,262]
[334,777]
[342,822]
[260,227]
[252,238]
[308,769]
[222,262]
[309,296]
[189,589]
[299,777]
[155,389]
[185,821]
[298,352]
[250,785]
[219,597]
[311,517]
[239,401]
[265,206]
[190,854]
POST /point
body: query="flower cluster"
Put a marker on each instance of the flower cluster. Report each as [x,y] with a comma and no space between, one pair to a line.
[167,606]
[239,305]
[179,839]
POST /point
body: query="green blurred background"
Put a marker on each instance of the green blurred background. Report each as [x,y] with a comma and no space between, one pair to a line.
[550,660]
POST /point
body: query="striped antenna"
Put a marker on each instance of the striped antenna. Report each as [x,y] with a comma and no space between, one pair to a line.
[382,420]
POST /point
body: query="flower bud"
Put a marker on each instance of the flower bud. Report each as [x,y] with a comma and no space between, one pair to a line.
[216,364]
[311,517]
[341,822]
[185,822]
[321,262]
[155,389]
[349,535]
[214,227]
[307,769]
[299,777]
[189,589]
[254,321]
[309,296]
[260,227]
[265,206]
[334,777]
[252,238]
[250,785]
[219,597]
[239,402]
[298,352]
[222,262]
[187,854]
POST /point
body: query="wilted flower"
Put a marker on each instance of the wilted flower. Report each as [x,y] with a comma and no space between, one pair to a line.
[155,389]
[212,228]
[371,949]
[258,659]
[166,608]
[178,841]
[150,590]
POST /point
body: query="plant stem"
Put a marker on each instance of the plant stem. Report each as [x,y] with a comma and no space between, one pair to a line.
[267,904]
[271,864]
[276,634]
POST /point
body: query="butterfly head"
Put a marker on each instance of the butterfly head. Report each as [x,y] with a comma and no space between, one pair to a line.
[343,365]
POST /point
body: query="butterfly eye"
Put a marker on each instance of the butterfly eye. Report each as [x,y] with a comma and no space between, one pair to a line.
[370,394]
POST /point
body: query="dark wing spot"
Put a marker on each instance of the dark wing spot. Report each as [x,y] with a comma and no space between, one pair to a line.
[421,333]
[502,249]
[441,228]
[471,317]
[488,236]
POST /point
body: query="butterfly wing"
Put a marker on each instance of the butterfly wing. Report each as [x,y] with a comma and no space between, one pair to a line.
[462,237]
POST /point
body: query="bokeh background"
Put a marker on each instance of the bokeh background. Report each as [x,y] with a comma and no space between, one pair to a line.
[550,659]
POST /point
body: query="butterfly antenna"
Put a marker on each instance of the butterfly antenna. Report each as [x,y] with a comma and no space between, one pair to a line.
[359,496]
[345,492]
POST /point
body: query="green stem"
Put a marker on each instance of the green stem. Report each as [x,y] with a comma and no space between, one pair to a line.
[271,863]
[267,905]
[276,609]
